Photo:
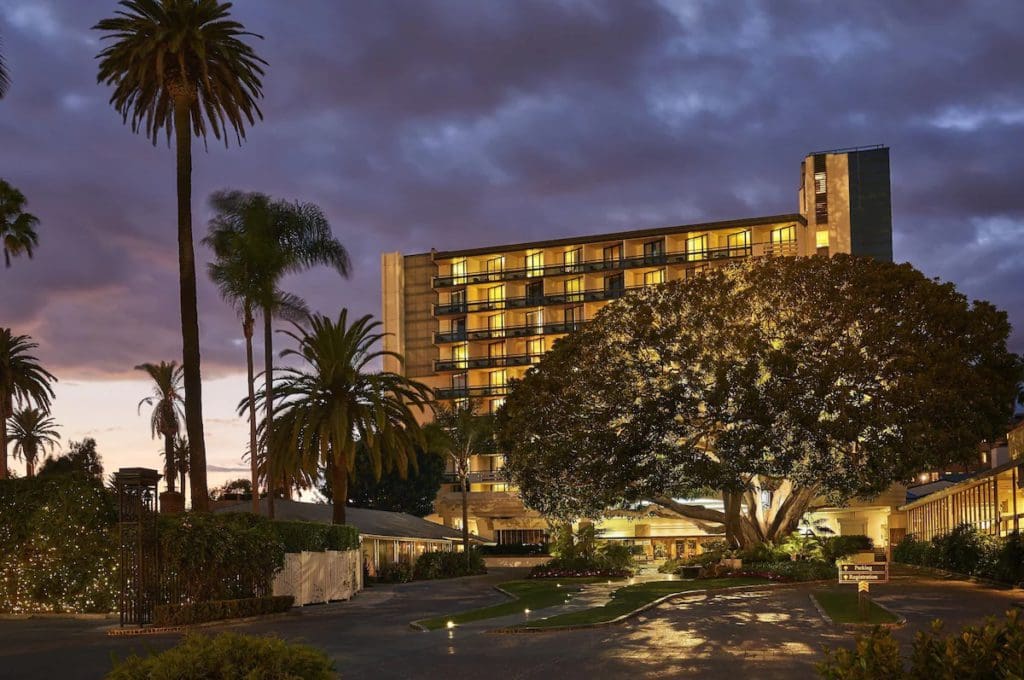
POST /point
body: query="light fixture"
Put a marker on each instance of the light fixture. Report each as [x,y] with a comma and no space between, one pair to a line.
[451,624]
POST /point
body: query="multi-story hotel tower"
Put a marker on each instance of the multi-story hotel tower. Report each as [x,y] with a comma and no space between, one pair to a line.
[468,320]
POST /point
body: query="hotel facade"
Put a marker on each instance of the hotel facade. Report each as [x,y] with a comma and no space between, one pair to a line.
[469,320]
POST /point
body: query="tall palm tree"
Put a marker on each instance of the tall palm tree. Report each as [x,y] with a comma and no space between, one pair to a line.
[244,243]
[466,434]
[182,66]
[181,458]
[32,431]
[335,401]
[268,239]
[17,227]
[22,381]
[5,79]
[166,400]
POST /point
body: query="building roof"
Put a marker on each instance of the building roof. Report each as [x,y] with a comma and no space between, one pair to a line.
[369,522]
[963,484]
[621,235]
[922,490]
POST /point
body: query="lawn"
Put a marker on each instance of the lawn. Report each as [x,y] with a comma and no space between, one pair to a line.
[625,600]
[842,607]
[533,594]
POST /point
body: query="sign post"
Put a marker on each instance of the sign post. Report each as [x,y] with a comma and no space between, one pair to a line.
[863,573]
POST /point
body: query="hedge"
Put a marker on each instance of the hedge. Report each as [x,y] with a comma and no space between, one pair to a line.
[315,537]
[967,551]
[57,545]
[433,565]
[218,610]
[228,656]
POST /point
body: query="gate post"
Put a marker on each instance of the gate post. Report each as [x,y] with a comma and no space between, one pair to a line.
[137,531]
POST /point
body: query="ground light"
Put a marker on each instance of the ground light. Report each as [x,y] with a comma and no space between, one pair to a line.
[451,624]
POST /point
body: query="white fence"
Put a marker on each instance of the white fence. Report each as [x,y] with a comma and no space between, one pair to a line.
[312,577]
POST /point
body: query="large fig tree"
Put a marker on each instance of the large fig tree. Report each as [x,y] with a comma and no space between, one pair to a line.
[776,382]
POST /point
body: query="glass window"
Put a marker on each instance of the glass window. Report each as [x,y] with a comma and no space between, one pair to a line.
[654,278]
[496,322]
[459,271]
[493,407]
[496,264]
[573,315]
[821,239]
[739,243]
[574,289]
[535,293]
[697,248]
[496,378]
[458,381]
[460,353]
[613,254]
[820,183]
[654,249]
[615,285]
[496,294]
[572,259]
[535,348]
[535,263]
[458,297]
[535,320]
[783,235]
[458,326]
[496,349]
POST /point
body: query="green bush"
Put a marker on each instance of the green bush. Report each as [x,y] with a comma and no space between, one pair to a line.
[837,547]
[912,551]
[58,545]
[218,557]
[228,656]
[993,650]
[800,570]
[314,536]
[671,566]
[509,549]
[394,572]
[615,556]
[434,565]
[967,551]
[218,610]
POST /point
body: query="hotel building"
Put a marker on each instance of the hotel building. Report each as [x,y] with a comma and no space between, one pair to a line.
[468,320]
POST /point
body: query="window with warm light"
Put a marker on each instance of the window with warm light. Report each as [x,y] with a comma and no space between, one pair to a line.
[573,315]
[496,322]
[654,278]
[574,289]
[497,378]
[738,243]
[535,263]
[495,404]
[697,248]
[783,235]
[535,320]
[572,259]
[460,354]
[653,250]
[459,271]
[496,350]
[535,349]
[496,295]
[613,254]
[821,239]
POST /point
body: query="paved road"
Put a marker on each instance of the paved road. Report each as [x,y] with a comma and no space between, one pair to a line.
[764,634]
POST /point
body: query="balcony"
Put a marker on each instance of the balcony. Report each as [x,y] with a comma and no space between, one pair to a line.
[443,365]
[591,295]
[507,332]
[470,392]
[590,266]
[476,477]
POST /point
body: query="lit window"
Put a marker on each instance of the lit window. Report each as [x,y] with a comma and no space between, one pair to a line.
[613,254]
[697,248]
[574,289]
[497,379]
[654,250]
[535,348]
[496,350]
[535,263]
[460,353]
[738,243]
[496,322]
[654,278]
[496,404]
[820,183]
[783,235]
[572,259]
[459,271]
[821,239]
[496,294]
[535,320]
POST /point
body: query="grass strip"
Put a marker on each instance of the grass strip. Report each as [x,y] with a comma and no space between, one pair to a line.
[842,607]
[625,600]
[532,594]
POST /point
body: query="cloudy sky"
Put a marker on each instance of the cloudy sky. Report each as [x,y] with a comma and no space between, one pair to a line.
[463,123]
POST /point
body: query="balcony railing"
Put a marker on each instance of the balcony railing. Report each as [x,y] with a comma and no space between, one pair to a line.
[471,392]
[442,365]
[591,295]
[589,266]
[507,332]
[476,477]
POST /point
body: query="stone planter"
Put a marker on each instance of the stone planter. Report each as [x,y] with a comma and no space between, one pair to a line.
[693,571]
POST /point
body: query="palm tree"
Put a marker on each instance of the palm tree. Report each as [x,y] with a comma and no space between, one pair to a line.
[22,381]
[269,239]
[466,434]
[32,431]
[335,402]
[5,79]
[17,227]
[182,66]
[243,242]
[166,401]
[181,458]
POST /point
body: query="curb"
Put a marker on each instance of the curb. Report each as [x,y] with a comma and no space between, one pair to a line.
[167,630]
[415,625]
[898,623]
[652,604]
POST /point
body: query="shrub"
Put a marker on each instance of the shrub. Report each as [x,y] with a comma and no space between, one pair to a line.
[394,572]
[314,536]
[962,550]
[611,560]
[764,552]
[671,566]
[515,549]
[226,657]
[837,547]
[58,545]
[800,570]
[912,551]
[218,557]
[1008,563]
[433,565]
[217,610]
[992,650]
[967,551]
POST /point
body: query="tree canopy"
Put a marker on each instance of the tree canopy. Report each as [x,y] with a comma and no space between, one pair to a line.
[774,381]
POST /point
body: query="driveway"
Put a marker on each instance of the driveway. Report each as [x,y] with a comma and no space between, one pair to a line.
[766,634]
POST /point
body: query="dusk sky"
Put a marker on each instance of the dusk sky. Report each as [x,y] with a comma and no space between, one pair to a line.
[458,124]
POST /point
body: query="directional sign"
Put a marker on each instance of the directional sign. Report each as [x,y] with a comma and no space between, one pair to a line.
[870,572]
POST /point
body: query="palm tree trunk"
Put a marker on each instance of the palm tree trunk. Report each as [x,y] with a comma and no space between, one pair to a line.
[247,325]
[465,518]
[268,377]
[189,309]
[339,490]
[30,463]
[3,438]
[170,456]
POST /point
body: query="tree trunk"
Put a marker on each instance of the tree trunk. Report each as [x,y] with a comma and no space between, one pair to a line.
[3,441]
[339,488]
[30,464]
[170,462]
[465,518]
[268,378]
[247,328]
[189,309]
